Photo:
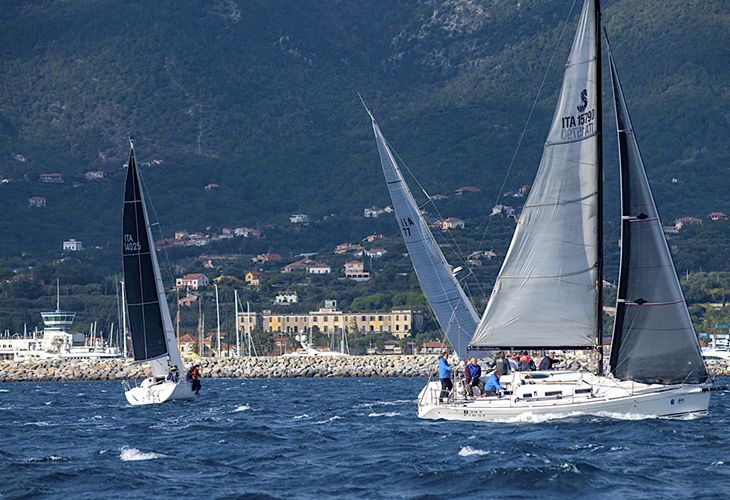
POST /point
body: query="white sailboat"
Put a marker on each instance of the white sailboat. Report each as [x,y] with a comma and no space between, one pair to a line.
[452,309]
[548,294]
[150,324]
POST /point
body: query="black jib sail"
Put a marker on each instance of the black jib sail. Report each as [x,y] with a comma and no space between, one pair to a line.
[653,339]
[143,306]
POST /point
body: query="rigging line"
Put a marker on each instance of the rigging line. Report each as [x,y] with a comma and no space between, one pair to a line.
[168,263]
[438,213]
[529,117]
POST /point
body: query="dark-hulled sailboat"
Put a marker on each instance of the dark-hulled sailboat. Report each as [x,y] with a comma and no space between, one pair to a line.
[548,292]
[153,337]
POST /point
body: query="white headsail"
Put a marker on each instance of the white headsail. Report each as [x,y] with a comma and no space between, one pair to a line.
[546,292]
[453,310]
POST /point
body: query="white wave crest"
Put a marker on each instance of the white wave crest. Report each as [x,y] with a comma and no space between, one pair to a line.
[242,408]
[468,451]
[331,419]
[50,458]
[538,418]
[302,416]
[384,414]
[624,416]
[133,454]
[4,390]
[39,424]
[385,403]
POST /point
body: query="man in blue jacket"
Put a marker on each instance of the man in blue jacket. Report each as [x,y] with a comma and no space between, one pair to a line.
[445,376]
[474,372]
[493,386]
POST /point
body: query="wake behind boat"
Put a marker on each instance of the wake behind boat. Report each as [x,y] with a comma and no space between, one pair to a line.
[548,294]
[153,337]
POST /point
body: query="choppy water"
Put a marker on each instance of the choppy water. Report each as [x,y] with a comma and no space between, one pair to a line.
[344,438]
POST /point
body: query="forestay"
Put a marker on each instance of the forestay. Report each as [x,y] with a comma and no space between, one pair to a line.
[453,310]
[546,292]
[146,303]
[653,339]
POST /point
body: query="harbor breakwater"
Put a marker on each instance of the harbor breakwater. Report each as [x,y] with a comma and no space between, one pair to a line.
[253,367]
[247,367]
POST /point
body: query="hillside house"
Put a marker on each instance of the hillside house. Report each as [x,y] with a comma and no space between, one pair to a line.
[253,278]
[466,189]
[263,258]
[300,265]
[376,252]
[72,245]
[287,297]
[355,270]
[372,237]
[247,232]
[375,212]
[503,211]
[448,224]
[318,268]
[685,221]
[192,281]
[299,219]
[187,301]
[53,178]
[37,201]
[94,175]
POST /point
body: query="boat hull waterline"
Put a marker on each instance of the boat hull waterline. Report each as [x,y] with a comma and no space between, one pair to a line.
[146,394]
[612,399]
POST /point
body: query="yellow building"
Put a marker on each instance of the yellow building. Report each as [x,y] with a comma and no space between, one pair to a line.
[329,319]
[253,278]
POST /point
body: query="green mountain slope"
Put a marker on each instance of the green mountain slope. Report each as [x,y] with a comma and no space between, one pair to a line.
[260,97]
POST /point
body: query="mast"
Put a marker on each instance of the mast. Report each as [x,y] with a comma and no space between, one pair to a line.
[599,190]
[248,327]
[124,320]
[217,322]
[238,330]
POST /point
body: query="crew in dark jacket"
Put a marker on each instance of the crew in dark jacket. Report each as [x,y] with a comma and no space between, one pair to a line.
[548,361]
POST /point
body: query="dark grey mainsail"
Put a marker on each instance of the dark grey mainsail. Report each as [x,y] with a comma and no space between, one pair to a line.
[143,296]
[653,338]
[454,312]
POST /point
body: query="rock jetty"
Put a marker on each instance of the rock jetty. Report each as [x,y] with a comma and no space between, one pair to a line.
[260,367]
[247,367]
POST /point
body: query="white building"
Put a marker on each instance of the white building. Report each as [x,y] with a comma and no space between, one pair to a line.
[287,298]
[72,246]
[192,281]
[299,219]
[319,269]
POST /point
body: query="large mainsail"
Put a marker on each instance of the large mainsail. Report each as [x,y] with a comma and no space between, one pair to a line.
[546,293]
[653,338]
[453,310]
[149,318]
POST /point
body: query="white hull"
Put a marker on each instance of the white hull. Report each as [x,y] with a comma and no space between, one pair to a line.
[147,393]
[561,394]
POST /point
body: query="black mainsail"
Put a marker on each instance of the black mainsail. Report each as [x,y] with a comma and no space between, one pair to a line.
[143,295]
[653,338]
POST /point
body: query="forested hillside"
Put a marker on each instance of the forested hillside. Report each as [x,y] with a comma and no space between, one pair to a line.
[260,97]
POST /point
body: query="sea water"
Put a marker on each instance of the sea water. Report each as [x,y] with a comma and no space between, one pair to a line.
[342,438]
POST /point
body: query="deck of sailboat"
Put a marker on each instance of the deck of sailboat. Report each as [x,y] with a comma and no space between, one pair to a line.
[567,394]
